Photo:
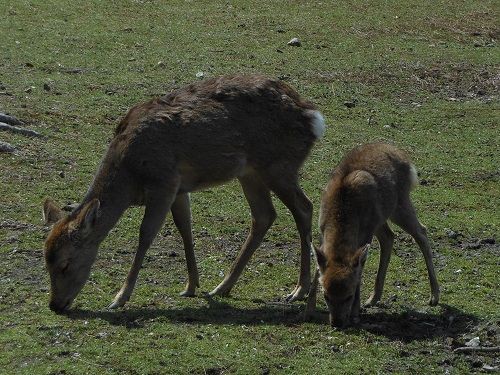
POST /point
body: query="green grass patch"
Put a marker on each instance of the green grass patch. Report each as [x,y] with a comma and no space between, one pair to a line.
[422,74]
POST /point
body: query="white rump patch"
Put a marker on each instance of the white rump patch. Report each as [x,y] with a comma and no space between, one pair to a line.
[317,123]
[413,176]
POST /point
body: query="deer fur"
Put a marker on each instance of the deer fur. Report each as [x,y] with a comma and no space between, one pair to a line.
[370,186]
[248,127]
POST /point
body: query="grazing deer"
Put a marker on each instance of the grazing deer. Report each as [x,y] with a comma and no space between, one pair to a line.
[370,186]
[248,127]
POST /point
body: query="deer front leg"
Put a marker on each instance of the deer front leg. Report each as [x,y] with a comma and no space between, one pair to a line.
[181,213]
[385,237]
[157,206]
[312,297]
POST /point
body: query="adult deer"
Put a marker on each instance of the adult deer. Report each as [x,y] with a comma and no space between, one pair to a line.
[248,127]
[370,186]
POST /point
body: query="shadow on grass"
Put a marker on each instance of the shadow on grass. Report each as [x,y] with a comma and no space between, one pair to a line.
[411,325]
[215,312]
[406,326]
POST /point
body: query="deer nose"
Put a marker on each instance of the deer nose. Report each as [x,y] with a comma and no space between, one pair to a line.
[57,308]
[336,322]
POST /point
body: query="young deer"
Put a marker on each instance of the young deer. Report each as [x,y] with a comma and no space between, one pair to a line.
[248,127]
[370,186]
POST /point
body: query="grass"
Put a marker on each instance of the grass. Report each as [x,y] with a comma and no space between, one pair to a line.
[423,75]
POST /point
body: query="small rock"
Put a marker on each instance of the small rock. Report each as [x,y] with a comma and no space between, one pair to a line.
[29,65]
[424,182]
[199,336]
[335,348]
[350,104]
[477,363]
[294,42]
[473,343]
[478,44]
[488,241]
[473,245]
[160,64]
[488,368]
[280,30]
[200,75]
[61,174]
[46,87]
[404,353]
[451,233]
[173,254]
[29,89]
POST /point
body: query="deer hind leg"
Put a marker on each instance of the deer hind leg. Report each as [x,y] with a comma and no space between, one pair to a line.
[181,213]
[290,193]
[406,217]
[263,215]
[385,237]
[158,204]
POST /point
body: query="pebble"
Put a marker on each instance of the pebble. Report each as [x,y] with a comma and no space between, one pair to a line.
[295,42]
[473,343]
[451,233]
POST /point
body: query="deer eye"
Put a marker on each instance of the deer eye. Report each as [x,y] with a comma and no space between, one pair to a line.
[64,268]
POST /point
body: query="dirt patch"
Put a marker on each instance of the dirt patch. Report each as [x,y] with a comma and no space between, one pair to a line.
[478,26]
[449,81]
[211,371]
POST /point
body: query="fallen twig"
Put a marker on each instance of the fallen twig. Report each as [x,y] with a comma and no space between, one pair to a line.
[16,129]
[6,147]
[9,119]
[472,349]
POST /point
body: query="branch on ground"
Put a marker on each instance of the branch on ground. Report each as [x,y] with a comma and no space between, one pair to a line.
[18,130]
[6,147]
[9,119]
[484,349]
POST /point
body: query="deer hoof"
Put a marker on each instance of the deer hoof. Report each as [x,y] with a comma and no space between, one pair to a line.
[433,301]
[220,291]
[298,294]
[188,293]
[372,301]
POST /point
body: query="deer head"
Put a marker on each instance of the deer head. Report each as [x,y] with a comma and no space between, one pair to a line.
[340,279]
[70,250]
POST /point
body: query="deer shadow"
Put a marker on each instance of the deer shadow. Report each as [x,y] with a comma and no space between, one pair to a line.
[406,326]
[411,325]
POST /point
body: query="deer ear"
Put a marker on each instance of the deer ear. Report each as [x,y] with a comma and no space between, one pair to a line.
[320,258]
[51,212]
[88,216]
[361,255]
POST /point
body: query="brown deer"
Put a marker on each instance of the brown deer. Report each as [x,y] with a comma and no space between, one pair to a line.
[370,186]
[248,127]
